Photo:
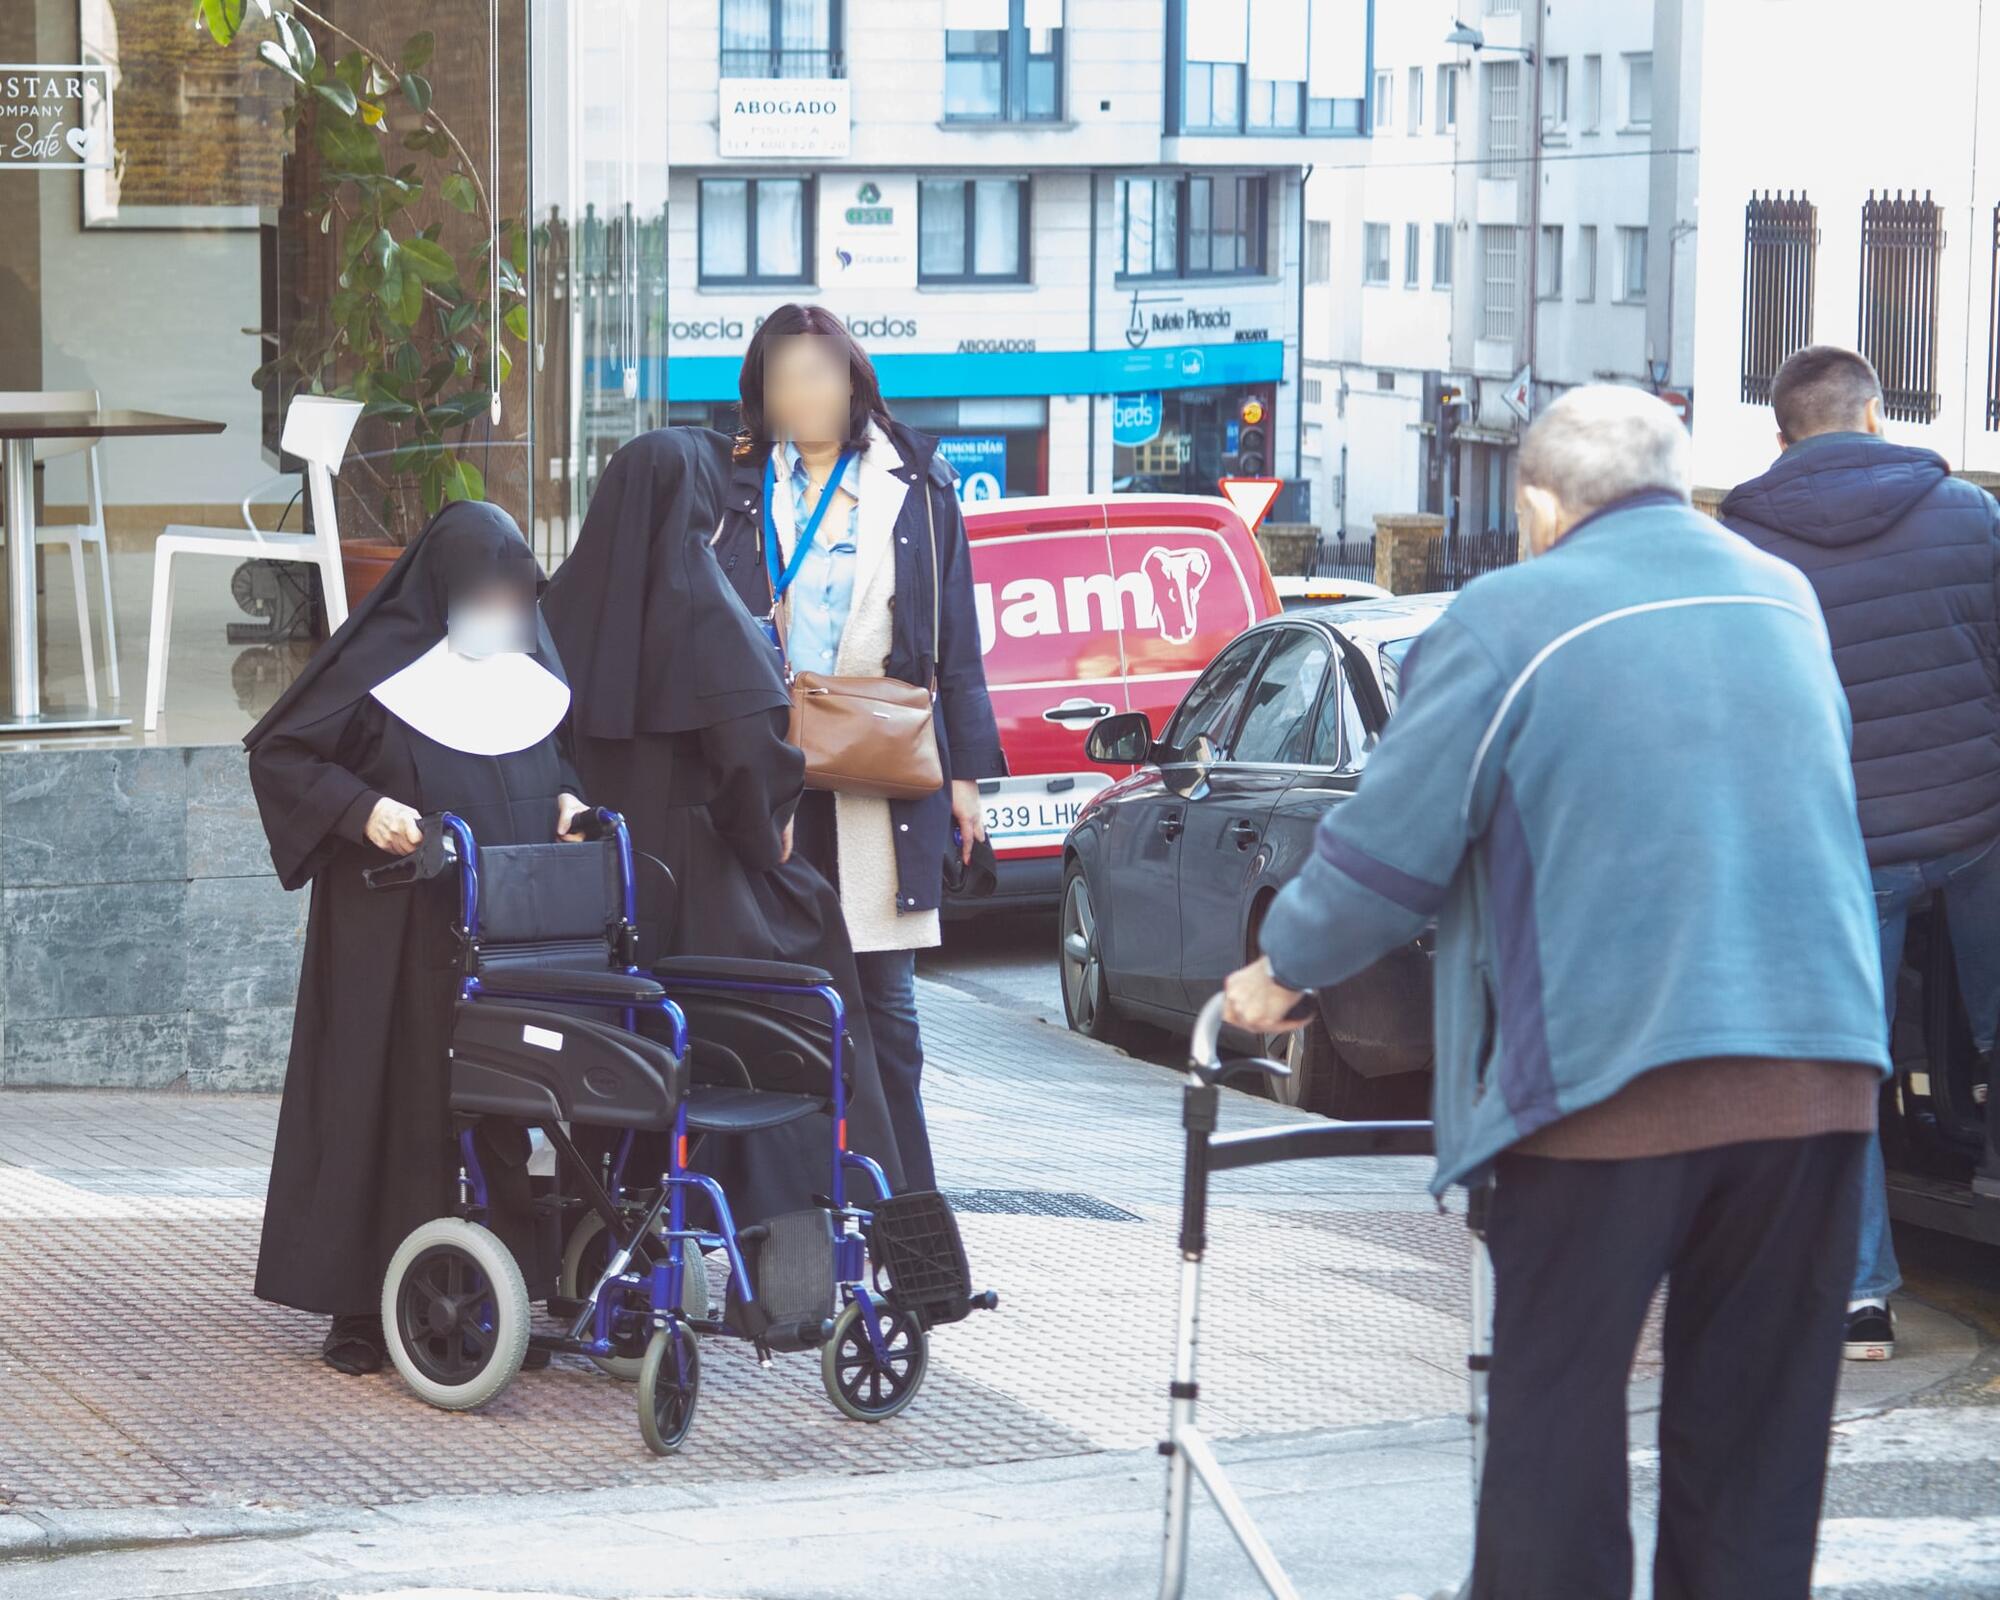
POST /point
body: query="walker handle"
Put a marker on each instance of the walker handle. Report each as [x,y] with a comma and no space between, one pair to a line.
[1206,1063]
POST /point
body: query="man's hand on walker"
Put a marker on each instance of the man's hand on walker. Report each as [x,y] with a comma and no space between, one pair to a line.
[568,809]
[1256,1002]
[394,827]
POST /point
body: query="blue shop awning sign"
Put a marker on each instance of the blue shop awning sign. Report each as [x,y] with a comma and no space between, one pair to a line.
[1003,372]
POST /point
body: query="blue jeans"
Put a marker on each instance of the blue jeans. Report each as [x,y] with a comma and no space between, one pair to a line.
[889,991]
[1970,883]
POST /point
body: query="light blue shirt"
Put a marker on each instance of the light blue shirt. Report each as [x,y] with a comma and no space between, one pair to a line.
[823,592]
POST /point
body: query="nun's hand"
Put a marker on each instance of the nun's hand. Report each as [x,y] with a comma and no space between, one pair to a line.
[568,809]
[785,848]
[394,827]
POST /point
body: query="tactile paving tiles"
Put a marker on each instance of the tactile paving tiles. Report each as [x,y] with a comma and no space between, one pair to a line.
[136,1368]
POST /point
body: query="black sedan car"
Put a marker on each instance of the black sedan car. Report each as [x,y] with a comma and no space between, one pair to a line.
[1167,873]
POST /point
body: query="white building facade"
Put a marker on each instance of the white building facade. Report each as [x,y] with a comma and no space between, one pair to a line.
[1068,232]
[1878,233]
[1477,266]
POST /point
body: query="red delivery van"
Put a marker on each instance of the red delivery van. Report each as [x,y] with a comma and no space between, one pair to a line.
[1087,607]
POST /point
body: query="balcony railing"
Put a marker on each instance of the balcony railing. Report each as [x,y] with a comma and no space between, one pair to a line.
[1900,242]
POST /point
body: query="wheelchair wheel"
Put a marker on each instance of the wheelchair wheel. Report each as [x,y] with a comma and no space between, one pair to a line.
[669,1386]
[857,1383]
[455,1313]
[583,1263]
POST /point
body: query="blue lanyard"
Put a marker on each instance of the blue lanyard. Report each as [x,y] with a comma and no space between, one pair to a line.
[781,582]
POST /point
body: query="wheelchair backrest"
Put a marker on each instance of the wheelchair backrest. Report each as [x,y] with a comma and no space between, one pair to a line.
[546,894]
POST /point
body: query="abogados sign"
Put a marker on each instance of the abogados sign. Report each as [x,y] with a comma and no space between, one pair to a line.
[762,117]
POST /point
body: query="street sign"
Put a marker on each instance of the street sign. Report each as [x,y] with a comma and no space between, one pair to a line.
[1252,497]
[1520,394]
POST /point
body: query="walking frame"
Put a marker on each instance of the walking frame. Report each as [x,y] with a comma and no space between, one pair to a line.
[1187,1449]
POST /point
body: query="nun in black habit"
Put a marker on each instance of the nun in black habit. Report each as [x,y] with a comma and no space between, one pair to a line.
[679,722]
[441,692]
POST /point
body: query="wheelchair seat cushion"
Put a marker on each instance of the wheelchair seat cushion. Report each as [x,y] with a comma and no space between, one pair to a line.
[542,1066]
[556,983]
[723,1109]
[725,969]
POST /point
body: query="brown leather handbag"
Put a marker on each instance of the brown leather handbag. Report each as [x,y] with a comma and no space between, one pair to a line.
[872,736]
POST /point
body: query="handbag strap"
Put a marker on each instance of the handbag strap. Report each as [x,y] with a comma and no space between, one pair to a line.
[930,511]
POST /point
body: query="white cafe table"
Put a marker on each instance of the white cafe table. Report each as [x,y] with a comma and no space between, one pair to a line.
[18,432]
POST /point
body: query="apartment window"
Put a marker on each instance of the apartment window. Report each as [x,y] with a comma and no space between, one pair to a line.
[1901,241]
[1639,91]
[1503,111]
[1586,264]
[1319,252]
[1203,226]
[1413,249]
[1555,95]
[1413,100]
[781,39]
[1780,246]
[1590,102]
[972,230]
[1447,112]
[1274,105]
[1309,391]
[1499,249]
[1382,112]
[1375,252]
[1385,382]
[755,230]
[1213,102]
[1502,8]
[1441,252]
[1001,74]
[1549,265]
[1632,265]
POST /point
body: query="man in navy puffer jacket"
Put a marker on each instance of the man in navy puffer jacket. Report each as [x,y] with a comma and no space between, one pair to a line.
[1905,559]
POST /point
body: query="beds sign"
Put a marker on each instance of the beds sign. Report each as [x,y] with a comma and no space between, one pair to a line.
[54,118]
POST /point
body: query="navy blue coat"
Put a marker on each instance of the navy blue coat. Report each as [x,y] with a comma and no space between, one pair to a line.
[967,735]
[1905,560]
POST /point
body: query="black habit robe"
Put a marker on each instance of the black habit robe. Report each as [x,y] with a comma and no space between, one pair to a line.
[678,721]
[365,1147]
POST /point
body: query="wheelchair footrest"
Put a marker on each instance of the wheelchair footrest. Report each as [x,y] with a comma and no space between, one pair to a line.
[790,1258]
[914,1239]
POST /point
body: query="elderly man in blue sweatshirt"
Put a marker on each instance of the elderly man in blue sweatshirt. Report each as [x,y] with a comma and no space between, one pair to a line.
[1618,779]
[1905,559]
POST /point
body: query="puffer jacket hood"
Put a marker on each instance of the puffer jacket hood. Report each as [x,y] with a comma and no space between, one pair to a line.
[1905,560]
[1839,489]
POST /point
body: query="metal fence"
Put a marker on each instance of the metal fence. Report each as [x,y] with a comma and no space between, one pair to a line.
[1353,559]
[1453,562]
[1900,242]
[1780,251]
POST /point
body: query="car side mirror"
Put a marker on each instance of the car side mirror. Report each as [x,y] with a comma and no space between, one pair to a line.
[1120,741]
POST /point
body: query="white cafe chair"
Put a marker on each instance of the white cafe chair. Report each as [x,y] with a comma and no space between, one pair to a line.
[316,431]
[77,535]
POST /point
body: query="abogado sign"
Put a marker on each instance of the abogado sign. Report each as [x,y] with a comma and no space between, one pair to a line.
[764,117]
[55,117]
[868,231]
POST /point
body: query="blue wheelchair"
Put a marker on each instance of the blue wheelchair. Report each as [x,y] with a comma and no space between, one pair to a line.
[557,1031]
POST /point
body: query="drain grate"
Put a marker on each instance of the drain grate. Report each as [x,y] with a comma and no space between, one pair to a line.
[1038,1203]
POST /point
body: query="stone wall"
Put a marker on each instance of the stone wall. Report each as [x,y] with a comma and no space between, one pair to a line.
[144,941]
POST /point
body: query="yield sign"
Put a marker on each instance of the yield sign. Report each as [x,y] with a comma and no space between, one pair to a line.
[1251,497]
[1520,394]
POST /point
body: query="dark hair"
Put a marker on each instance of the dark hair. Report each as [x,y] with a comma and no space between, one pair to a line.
[786,321]
[1822,389]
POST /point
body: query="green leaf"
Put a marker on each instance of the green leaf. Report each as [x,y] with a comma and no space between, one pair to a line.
[506,362]
[272,52]
[409,363]
[464,481]
[458,191]
[417,50]
[339,96]
[224,19]
[510,280]
[417,90]
[352,70]
[431,262]
[461,314]
[384,249]
[298,43]
[383,406]
[517,322]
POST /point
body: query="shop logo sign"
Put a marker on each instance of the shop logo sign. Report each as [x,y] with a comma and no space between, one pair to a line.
[762,117]
[1178,577]
[1192,363]
[1136,418]
[55,117]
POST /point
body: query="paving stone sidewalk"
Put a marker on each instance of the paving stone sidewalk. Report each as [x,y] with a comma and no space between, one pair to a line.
[138,1373]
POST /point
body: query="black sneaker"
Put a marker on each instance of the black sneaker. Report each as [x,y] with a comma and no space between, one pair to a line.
[1871,1333]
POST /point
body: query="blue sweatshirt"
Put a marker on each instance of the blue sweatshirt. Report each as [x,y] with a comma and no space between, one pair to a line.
[1618,779]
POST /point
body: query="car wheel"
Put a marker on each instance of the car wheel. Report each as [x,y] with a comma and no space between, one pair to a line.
[1306,1051]
[1086,995]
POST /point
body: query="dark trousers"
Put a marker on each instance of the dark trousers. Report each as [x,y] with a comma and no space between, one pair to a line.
[889,990]
[1756,1243]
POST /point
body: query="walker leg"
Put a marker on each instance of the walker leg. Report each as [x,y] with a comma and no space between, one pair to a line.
[1202,1459]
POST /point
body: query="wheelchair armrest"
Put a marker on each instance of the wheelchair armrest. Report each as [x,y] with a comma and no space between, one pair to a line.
[557,983]
[734,969]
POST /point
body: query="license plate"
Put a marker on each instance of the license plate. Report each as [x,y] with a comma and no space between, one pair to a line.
[1023,811]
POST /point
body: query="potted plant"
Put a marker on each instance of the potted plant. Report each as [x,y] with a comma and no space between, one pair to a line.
[423,306]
